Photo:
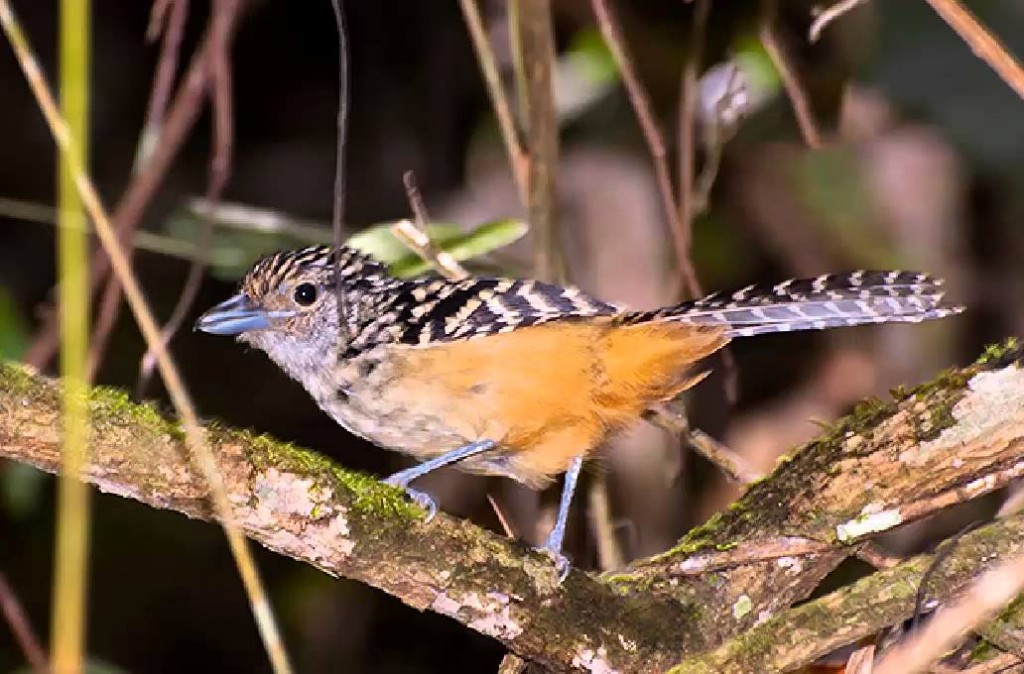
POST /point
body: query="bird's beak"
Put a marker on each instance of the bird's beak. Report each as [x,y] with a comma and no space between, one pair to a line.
[234,316]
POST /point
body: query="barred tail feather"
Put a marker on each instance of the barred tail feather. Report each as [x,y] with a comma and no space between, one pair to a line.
[833,300]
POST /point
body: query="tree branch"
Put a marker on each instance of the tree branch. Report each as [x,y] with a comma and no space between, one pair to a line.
[889,463]
[945,442]
[299,504]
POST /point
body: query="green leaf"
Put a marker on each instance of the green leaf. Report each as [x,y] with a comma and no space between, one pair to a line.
[379,242]
[243,233]
[464,246]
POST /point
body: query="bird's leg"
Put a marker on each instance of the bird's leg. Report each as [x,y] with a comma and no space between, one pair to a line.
[402,478]
[553,545]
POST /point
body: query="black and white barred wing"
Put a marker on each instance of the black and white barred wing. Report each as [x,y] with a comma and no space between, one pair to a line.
[433,310]
[829,301]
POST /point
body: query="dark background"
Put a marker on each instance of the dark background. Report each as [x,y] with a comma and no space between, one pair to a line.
[925,170]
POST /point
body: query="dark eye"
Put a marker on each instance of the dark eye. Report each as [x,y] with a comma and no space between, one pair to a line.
[305,294]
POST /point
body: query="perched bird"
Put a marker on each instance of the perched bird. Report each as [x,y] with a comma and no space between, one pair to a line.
[507,377]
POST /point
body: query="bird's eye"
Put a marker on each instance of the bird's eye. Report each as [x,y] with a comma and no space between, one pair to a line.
[305,294]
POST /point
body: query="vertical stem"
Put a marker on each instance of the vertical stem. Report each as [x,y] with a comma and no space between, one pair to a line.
[534,37]
[71,564]
[496,91]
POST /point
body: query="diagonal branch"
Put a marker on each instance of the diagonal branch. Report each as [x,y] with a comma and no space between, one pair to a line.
[954,439]
[303,506]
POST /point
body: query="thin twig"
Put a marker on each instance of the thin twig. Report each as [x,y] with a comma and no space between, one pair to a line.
[735,467]
[982,601]
[200,452]
[496,91]
[689,93]
[21,628]
[984,44]
[168,18]
[221,22]
[672,418]
[506,526]
[220,167]
[418,241]
[338,210]
[609,552]
[655,143]
[829,15]
[790,81]
[418,238]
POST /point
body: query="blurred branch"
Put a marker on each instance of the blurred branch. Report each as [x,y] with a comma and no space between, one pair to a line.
[496,90]
[222,17]
[535,58]
[983,43]
[680,227]
[181,116]
[418,241]
[798,97]
[827,16]
[982,601]
[689,99]
[222,103]
[803,634]
[956,434]
[21,628]
[166,19]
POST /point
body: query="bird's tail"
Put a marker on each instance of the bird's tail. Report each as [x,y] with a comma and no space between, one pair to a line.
[829,301]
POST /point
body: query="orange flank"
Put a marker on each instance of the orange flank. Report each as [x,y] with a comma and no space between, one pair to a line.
[552,392]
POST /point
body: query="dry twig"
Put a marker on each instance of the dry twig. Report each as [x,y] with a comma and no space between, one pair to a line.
[827,16]
[655,142]
[790,80]
[496,91]
[982,42]
[21,628]
[220,166]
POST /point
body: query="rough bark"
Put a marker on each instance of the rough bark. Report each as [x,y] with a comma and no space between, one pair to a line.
[951,440]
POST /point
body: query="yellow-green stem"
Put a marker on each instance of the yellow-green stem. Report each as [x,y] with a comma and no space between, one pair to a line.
[72,554]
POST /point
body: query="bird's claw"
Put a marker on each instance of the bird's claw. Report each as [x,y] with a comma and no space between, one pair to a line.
[561,562]
[420,498]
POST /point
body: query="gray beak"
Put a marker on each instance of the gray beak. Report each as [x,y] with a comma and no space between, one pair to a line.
[234,316]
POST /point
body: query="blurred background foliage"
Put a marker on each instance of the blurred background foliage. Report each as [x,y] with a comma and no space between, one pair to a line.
[924,168]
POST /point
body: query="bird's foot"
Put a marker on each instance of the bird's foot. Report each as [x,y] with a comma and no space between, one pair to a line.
[420,498]
[561,562]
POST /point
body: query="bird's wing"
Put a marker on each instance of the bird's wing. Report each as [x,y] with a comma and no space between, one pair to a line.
[433,309]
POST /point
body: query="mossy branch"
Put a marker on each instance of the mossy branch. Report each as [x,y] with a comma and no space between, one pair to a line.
[300,504]
[945,442]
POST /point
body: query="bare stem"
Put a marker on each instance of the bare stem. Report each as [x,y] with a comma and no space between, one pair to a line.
[983,43]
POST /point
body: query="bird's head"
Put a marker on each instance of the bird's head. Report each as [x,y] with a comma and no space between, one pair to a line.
[287,306]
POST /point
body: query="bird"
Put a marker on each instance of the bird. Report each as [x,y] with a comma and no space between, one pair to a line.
[514,377]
